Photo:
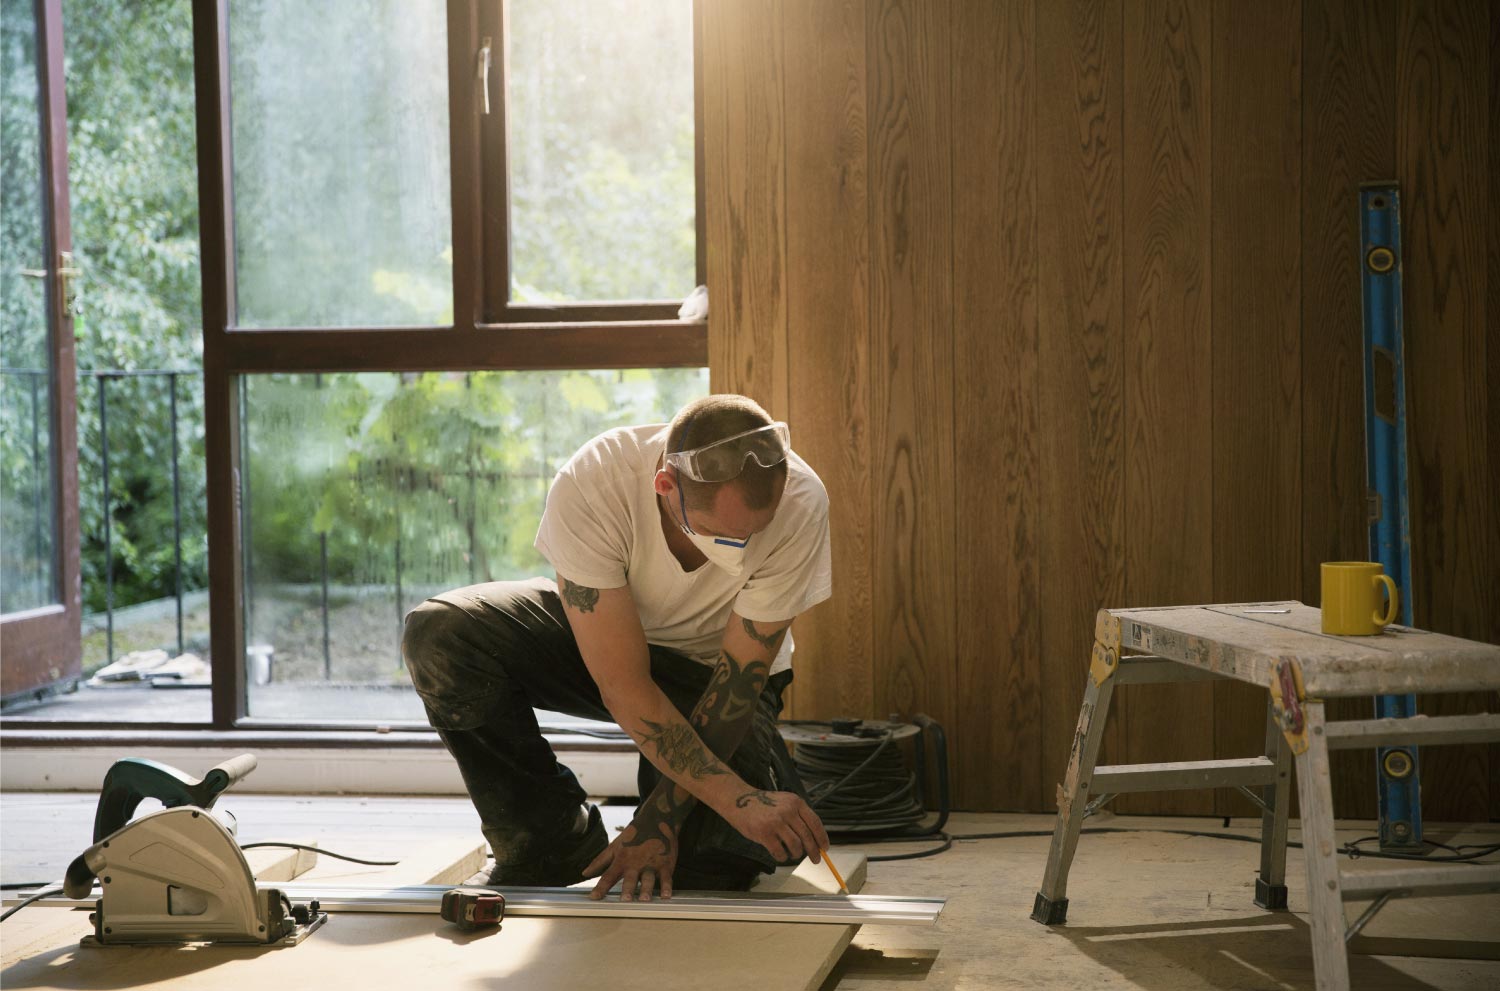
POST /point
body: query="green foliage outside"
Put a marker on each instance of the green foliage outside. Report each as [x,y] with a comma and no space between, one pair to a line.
[342,218]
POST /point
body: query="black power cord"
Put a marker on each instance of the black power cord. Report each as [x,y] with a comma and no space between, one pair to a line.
[51,889]
[326,853]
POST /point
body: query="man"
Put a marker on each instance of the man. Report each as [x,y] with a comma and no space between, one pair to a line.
[682,553]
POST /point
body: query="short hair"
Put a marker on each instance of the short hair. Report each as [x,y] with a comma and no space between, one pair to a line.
[713,418]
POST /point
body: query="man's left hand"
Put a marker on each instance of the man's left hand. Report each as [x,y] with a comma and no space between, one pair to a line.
[642,862]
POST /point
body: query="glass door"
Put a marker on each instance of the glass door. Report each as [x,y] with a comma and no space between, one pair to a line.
[39,579]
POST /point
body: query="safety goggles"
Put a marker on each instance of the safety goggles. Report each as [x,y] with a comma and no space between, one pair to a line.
[725,459]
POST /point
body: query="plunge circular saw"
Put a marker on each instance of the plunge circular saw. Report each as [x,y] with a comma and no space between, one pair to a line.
[177,875]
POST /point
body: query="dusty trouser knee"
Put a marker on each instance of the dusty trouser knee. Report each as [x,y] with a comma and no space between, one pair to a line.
[460,680]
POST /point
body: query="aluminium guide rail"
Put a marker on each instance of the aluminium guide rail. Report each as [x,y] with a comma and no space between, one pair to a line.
[848,910]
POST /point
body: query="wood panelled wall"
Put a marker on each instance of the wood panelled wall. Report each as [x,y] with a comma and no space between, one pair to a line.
[1061,299]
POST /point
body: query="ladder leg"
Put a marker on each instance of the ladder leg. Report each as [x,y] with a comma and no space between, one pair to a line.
[1270,886]
[1325,896]
[1051,907]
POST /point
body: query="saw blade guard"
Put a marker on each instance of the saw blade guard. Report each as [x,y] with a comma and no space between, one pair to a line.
[171,875]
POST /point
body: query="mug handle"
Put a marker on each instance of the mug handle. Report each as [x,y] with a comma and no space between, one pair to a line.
[1393,602]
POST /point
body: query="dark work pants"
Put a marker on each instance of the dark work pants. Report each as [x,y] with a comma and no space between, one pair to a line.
[483,657]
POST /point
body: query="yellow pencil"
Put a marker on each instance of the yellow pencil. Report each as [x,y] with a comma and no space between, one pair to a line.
[843,888]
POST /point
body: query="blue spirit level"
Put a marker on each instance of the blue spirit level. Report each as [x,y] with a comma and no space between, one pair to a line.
[1397,769]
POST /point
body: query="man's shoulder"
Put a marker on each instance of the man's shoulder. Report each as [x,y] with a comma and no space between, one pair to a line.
[616,451]
[804,486]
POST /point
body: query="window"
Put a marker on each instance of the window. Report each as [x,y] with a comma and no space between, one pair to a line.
[436,261]
[341,198]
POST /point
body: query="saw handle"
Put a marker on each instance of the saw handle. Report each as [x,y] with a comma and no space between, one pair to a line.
[132,780]
[232,771]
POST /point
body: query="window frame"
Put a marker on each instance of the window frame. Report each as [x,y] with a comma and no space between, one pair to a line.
[488,332]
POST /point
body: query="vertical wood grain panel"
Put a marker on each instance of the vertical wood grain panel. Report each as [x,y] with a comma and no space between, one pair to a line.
[744,164]
[1348,137]
[1080,352]
[1492,317]
[1257,369]
[1443,68]
[828,299]
[911,347]
[995,404]
[1168,366]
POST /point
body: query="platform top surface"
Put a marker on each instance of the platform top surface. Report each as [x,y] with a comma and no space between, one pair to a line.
[1245,640]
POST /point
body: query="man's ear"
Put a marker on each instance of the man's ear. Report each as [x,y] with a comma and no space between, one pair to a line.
[664,484]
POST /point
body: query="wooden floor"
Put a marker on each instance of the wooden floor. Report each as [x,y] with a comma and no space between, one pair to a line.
[1149,910]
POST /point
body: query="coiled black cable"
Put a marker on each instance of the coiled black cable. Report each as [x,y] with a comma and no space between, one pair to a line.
[859,787]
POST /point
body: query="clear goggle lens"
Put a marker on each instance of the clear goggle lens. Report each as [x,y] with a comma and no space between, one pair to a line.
[725,459]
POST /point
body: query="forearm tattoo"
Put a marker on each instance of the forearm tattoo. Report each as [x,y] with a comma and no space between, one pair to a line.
[681,750]
[580,597]
[763,797]
[660,817]
[732,693]
[771,641]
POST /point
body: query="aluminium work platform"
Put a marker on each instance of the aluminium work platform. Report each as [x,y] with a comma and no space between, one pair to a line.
[1278,646]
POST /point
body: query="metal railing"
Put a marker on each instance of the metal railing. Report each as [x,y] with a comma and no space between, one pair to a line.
[102,378]
[104,488]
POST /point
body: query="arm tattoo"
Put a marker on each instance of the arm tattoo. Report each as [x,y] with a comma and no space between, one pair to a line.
[732,692]
[680,748]
[580,597]
[763,797]
[660,817]
[771,641]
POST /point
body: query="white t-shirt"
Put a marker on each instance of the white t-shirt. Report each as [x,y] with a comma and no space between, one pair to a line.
[601,529]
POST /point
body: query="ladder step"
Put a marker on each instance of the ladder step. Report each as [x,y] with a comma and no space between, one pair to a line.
[1458,879]
[1177,775]
[1354,734]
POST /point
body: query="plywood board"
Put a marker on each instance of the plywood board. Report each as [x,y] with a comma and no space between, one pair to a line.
[41,951]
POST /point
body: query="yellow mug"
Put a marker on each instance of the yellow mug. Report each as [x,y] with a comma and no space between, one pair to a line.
[1351,598]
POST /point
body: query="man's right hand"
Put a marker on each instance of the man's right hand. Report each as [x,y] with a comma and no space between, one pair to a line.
[781,822]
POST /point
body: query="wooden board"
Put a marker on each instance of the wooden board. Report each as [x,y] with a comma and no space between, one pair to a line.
[995,400]
[743,144]
[1443,65]
[1169,367]
[41,951]
[1081,352]
[1257,371]
[1246,646]
[1492,314]
[828,304]
[911,344]
[1348,135]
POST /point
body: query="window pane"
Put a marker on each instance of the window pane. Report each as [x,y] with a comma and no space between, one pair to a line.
[370,492]
[28,566]
[341,195]
[602,173]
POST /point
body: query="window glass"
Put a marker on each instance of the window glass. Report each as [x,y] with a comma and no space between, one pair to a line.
[342,205]
[369,492]
[28,559]
[601,152]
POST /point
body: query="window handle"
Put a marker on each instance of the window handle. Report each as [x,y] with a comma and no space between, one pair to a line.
[482,72]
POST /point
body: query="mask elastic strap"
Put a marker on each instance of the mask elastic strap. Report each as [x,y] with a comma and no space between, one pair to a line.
[682,504]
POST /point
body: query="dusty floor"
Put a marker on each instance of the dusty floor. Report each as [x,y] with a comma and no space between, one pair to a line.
[1149,910]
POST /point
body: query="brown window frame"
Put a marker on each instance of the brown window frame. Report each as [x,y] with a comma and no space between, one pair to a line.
[488,331]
